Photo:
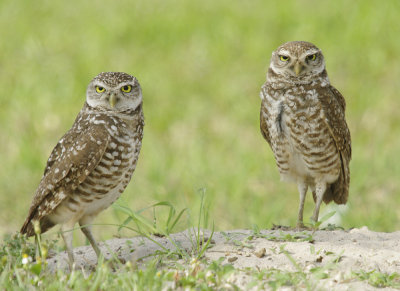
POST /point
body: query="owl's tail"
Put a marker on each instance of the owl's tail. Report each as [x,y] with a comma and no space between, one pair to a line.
[28,227]
[338,191]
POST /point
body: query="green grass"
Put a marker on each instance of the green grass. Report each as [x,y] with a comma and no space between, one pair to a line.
[153,275]
[201,65]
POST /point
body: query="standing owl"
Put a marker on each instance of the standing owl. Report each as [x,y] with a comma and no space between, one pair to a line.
[303,119]
[93,162]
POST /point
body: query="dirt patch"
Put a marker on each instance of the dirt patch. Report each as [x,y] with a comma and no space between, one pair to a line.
[336,255]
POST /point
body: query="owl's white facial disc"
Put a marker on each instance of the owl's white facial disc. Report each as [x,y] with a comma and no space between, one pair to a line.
[117,95]
[297,60]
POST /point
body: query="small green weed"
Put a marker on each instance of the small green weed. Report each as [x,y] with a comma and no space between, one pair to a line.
[295,237]
[378,279]
[275,279]
[316,224]
[205,276]
[14,249]
[19,264]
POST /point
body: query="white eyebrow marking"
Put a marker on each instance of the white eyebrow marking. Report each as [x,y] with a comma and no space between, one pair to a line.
[283,52]
[310,52]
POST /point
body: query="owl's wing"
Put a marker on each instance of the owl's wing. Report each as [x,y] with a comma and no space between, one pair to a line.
[263,116]
[334,106]
[75,156]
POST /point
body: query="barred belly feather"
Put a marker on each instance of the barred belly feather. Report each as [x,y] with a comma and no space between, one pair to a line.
[303,146]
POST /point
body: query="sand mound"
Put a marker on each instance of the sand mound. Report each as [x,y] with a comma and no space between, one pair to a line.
[337,254]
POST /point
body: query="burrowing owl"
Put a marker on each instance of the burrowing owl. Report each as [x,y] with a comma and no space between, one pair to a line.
[93,162]
[303,120]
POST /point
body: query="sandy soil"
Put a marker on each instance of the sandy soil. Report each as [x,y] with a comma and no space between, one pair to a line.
[338,253]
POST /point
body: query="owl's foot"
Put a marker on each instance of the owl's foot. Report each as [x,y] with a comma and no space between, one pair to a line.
[300,226]
[280,227]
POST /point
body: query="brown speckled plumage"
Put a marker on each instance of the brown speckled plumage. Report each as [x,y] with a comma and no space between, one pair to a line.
[93,162]
[113,78]
[303,120]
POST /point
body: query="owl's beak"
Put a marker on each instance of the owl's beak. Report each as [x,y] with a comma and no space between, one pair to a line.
[297,68]
[112,100]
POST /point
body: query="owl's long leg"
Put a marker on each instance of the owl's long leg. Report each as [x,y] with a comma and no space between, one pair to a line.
[302,187]
[87,231]
[67,235]
[320,191]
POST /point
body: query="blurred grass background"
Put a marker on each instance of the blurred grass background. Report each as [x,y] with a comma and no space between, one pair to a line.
[201,65]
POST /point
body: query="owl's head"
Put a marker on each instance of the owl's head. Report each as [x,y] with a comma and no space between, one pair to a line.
[114,91]
[297,60]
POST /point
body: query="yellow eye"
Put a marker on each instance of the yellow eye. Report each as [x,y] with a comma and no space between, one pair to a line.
[312,57]
[100,89]
[126,88]
[284,58]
